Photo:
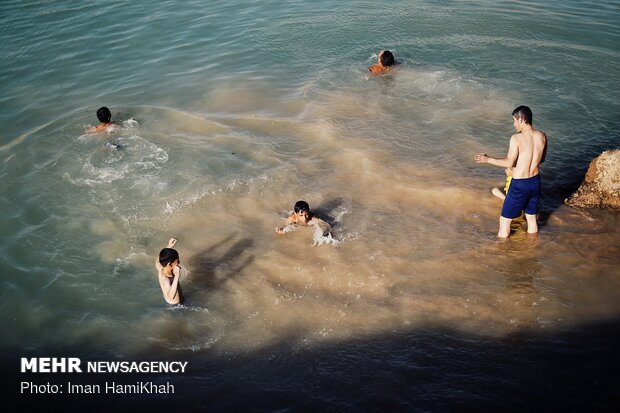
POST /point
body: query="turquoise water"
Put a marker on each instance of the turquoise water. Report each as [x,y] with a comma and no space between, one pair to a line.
[232,111]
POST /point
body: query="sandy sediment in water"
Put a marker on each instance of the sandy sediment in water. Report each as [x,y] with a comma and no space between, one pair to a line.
[417,228]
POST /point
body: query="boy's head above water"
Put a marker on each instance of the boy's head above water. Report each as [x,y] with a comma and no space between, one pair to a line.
[169,256]
[386,58]
[104,115]
[302,206]
[302,209]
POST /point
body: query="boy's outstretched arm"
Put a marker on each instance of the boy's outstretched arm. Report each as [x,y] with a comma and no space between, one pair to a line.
[507,162]
[288,225]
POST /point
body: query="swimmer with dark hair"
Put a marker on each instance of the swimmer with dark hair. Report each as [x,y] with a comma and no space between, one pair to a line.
[169,272]
[105,121]
[526,151]
[303,216]
[385,61]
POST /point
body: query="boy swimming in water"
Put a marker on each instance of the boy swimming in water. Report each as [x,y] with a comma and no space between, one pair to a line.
[385,60]
[169,272]
[497,191]
[105,118]
[303,216]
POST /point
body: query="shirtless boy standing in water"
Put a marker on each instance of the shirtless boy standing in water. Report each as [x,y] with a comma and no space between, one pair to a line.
[528,148]
[169,272]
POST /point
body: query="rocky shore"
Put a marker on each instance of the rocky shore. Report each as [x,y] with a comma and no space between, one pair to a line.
[601,185]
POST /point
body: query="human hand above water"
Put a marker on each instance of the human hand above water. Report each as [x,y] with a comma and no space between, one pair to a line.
[481,158]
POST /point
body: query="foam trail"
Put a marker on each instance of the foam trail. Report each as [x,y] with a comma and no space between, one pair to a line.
[130,123]
[322,234]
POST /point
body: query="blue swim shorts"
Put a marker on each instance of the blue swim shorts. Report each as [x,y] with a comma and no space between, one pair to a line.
[523,194]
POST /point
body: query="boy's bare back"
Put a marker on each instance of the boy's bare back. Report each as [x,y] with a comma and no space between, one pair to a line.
[530,145]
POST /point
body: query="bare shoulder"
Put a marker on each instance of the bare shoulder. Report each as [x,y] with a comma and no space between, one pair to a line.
[540,134]
[103,127]
[516,137]
[376,69]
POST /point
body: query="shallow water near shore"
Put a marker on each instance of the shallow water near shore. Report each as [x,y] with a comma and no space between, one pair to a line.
[231,112]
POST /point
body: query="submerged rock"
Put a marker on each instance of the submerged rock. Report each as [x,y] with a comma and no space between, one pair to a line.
[601,186]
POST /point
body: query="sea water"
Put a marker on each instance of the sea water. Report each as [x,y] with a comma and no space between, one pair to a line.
[229,113]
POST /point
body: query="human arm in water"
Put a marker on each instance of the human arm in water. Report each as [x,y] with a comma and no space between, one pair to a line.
[288,225]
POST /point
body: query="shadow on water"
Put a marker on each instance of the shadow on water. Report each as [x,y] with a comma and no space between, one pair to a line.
[423,369]
[326,209]
[205,264]
[560,181]
[553,197]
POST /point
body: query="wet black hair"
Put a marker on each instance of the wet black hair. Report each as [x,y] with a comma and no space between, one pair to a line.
[302,206]
[387,58]
[104,115]
[168,255]
[523,112]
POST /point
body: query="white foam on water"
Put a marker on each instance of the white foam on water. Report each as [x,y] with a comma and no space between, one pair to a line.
[339,212]
[320,238]
[137,158]
[130,123]
[418,257]
[288,228]
[173,206]
[322,231]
